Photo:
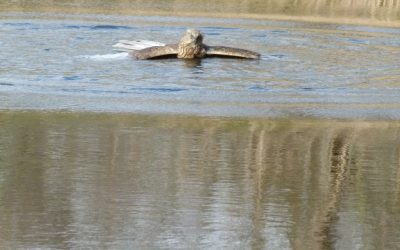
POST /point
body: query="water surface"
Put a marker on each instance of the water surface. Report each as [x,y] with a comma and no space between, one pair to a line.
[71,180]
[372,12]
[65,62]
[253,156]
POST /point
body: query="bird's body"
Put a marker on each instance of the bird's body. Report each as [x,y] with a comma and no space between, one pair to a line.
[189,47]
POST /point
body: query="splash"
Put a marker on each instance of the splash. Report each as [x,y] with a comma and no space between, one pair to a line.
[107,57]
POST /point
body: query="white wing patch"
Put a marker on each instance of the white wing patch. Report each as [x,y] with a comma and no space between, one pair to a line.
[125,45]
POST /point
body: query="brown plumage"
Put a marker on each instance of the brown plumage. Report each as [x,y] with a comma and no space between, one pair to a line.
[191,46]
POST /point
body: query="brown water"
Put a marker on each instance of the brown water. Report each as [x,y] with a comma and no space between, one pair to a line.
[268,163]
[77,180]
[382,12]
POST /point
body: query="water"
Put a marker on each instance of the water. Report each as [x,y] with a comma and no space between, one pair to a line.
[298,150]
[66,62]
[79,180]
[375,12]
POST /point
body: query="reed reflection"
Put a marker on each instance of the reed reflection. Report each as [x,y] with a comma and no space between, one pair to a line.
[113,181]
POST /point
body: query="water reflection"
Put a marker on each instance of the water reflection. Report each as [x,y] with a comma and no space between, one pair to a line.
[123,181]
[337,170]
[192,63]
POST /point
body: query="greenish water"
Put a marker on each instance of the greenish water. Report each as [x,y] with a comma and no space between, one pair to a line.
[80,180]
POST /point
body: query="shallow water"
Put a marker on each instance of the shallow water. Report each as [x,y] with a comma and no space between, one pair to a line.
[372,12]
[71,180]
[278,172]
[53,61]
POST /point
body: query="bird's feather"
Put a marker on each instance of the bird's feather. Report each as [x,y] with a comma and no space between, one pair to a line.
[224,51]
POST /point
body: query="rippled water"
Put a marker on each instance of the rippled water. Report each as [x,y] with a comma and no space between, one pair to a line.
[65,62]
[72,180]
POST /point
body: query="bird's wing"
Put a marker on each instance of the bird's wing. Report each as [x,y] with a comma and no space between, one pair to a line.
[156,52]
[223,51]
[125,45]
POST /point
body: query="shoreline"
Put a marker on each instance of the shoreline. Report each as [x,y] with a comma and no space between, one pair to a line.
[179,117]
[231,15]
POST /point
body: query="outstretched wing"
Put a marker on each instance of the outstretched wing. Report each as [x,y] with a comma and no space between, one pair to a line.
[156,52]
[223,51]
[125,45]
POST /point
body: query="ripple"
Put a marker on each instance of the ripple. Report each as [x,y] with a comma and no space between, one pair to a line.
[22,26]
[161,89]
[110,27]
[218,28]
[280,56]
[95,91]
[99,27]
[76,26]
[258,88]
[6,84]
[18,24]
[71,78]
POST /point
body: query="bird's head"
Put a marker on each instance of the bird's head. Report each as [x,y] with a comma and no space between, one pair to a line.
[191,45]
[193,37]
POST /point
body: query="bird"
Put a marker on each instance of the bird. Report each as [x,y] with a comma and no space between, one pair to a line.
[190,46]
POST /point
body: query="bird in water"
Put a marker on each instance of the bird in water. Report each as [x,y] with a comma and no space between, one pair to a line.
[190,46]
